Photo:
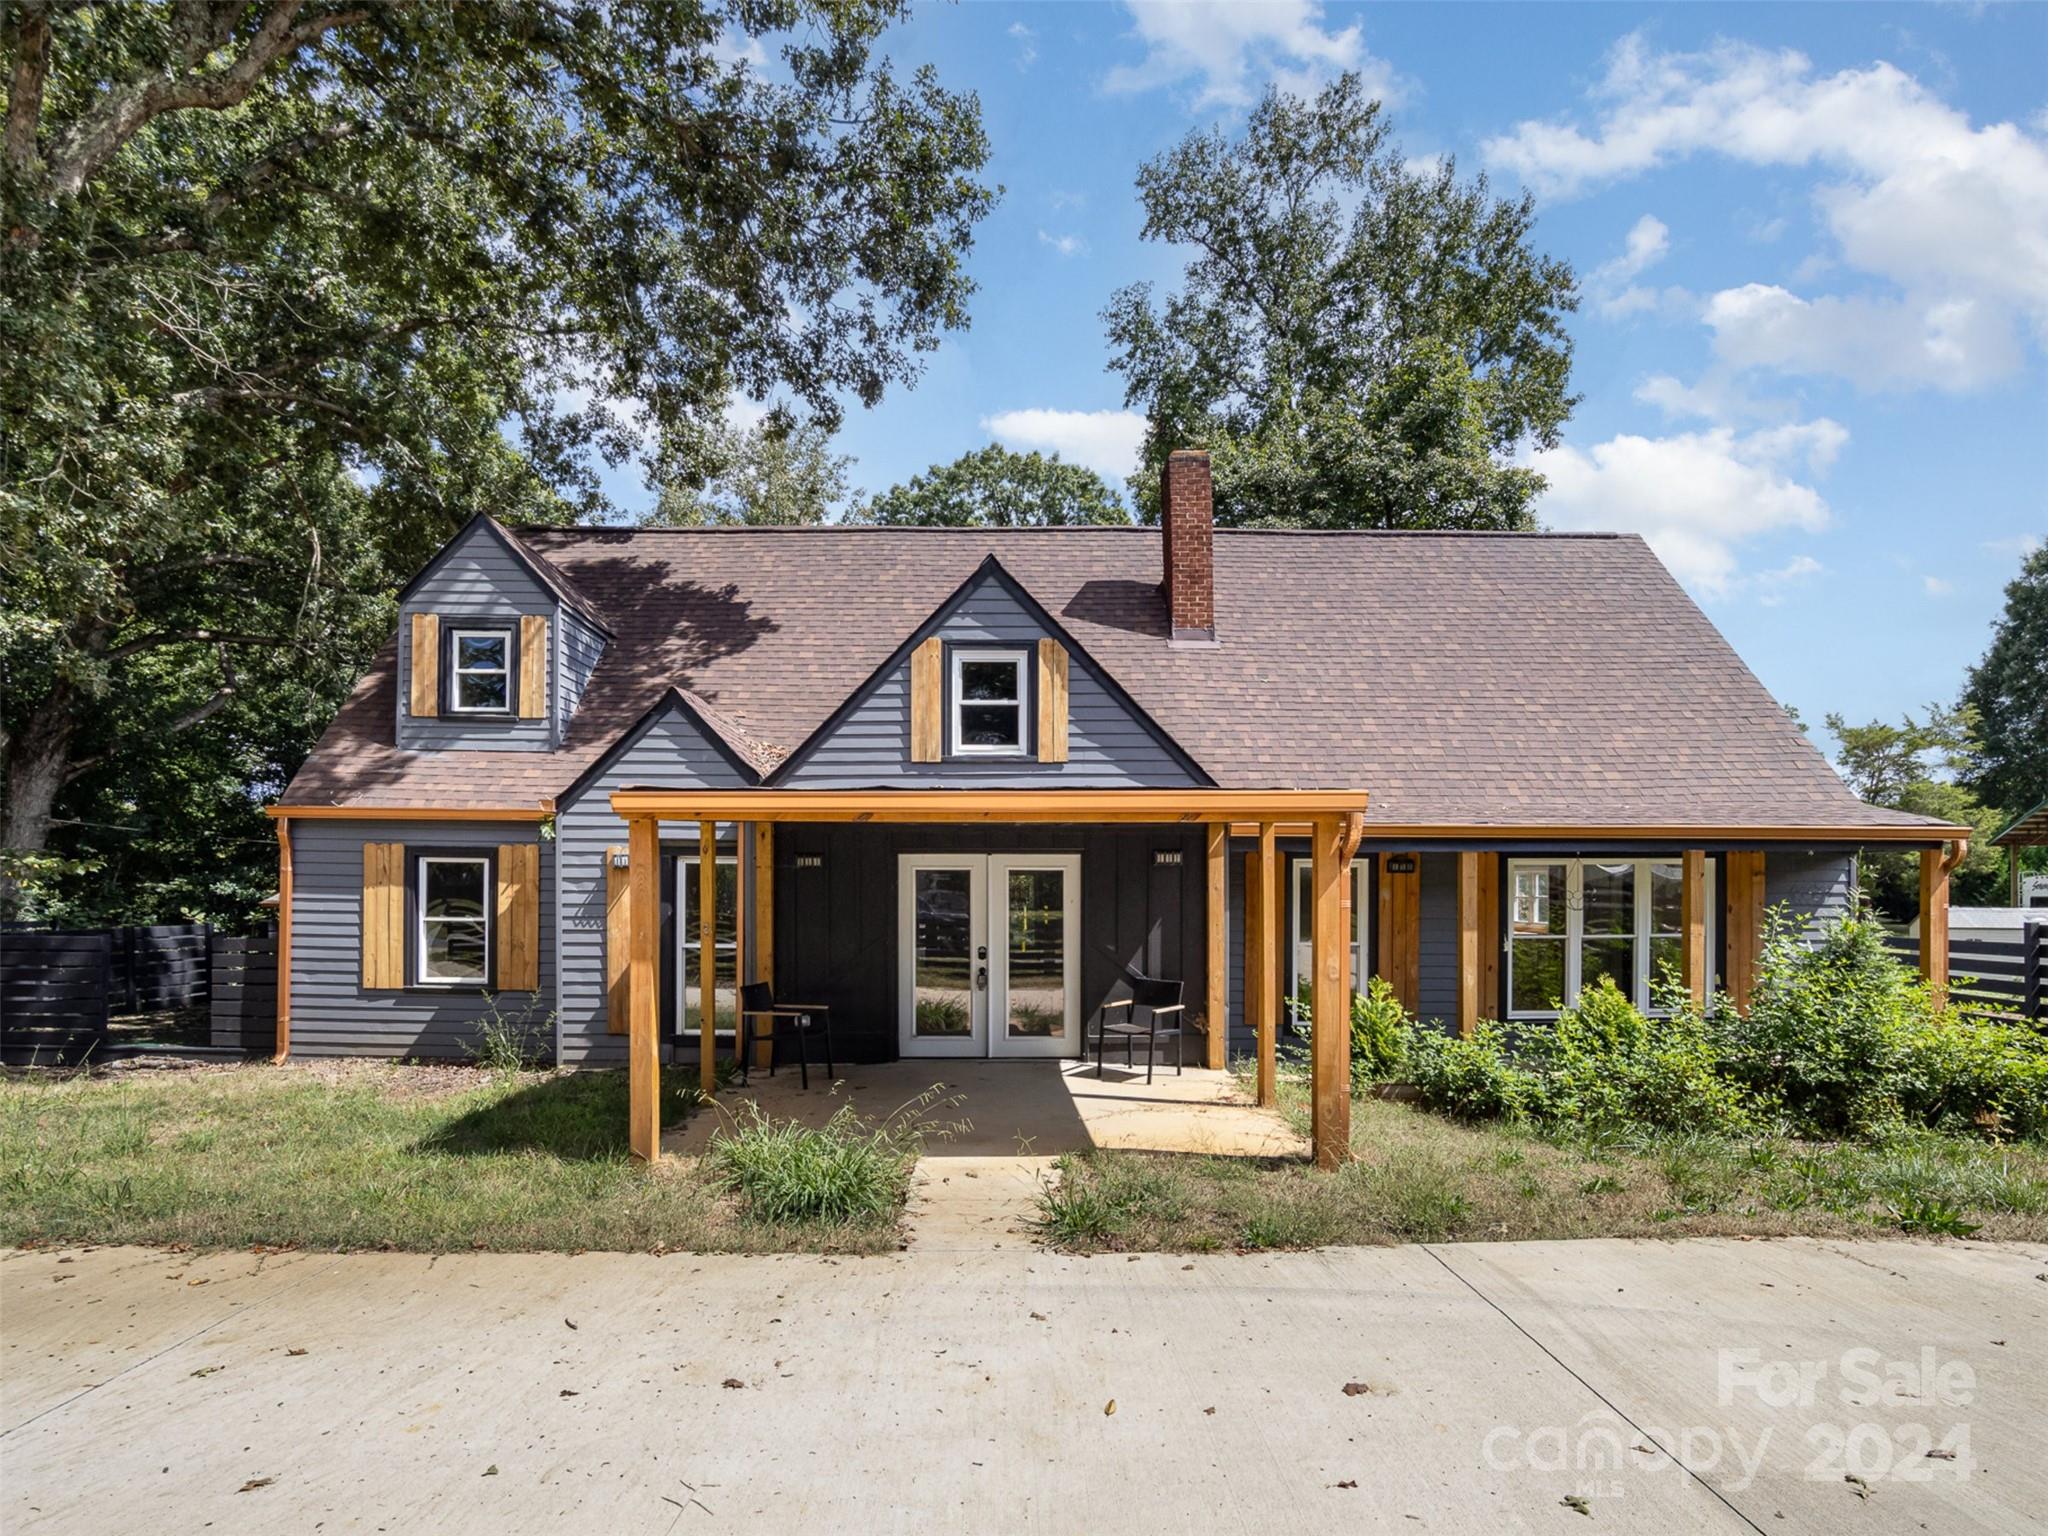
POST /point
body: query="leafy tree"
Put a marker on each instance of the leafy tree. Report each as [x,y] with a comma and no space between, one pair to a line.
[775,473]
[1358,343]
[1921,766]
[288,289]
[2008,689]
[993,487]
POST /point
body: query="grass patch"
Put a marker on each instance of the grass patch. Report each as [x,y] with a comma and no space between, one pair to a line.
[849,1172]
[1418,1177]
[366,1155]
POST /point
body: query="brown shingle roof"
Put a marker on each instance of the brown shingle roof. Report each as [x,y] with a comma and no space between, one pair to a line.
[1461,679]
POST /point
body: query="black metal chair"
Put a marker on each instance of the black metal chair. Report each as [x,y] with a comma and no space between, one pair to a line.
[1157,998]
[757,1001]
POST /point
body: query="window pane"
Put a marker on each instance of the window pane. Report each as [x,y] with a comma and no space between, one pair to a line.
[1304,904]
[453,951]
[1538,974]
[1037,904]
[480,651]
[454,888]
[988,680]
[1667,953]
[943,959]
[1608,957]
[481,690]
[989,725]
[1538,905]
[1667,897]
[1610,901]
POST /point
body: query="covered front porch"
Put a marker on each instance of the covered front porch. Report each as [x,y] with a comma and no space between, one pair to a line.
[1331,822]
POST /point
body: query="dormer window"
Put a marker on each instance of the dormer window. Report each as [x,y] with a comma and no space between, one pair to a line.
[988,702]
[479,672]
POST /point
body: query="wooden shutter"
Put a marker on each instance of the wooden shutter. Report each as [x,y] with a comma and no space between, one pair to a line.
[927,702]
[533,666]
[617,939]
[384,915]
[1052,701]
[519,917]
[1400,956]
[426,664]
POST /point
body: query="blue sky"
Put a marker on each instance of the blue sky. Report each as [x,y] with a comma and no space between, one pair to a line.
[1813,242]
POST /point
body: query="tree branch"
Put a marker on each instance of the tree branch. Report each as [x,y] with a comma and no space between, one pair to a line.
[190,636]
[25,93]
[122,111]
[178,724]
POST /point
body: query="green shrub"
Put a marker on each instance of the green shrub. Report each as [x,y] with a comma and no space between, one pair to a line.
[849,1171]
[1605,1063]
[1470,1079]
[1959,1071]
[1380,1031]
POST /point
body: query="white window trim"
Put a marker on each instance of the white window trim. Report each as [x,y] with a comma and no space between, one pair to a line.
[456,670]
[1574,935]
[420,921]
[962,654]
[687,1018]
[1299,948]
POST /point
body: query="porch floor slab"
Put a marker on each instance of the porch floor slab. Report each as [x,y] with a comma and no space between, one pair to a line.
[1021,1109]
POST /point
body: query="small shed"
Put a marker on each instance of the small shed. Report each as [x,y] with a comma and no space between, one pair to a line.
[2029,829]
[1986,925]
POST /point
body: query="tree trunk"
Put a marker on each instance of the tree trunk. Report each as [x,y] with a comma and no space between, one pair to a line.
[36,764]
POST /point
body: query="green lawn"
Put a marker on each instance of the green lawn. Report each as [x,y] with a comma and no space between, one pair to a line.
[1420,1178]
[364,1155]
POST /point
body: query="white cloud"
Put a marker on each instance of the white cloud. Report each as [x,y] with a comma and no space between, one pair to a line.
[1105,441]
[1698,497]
[1232,50]
[1714,398]
[2019,546]
[1936,586]
[1772,587]
[1953,215]
[1615,296]
[1954,344]
[1649,242]
[1066,245]
[1027,44]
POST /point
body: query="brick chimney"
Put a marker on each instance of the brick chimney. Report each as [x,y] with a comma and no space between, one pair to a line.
[1187,520]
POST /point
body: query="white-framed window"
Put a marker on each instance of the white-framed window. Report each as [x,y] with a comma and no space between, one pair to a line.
[452,904]
[725,949]
[1572,921]
[990,708]
[1302,926]
[479,671]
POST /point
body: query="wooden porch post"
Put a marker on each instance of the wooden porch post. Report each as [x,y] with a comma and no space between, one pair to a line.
[1265,1007]
[1934,871]
[643,917]
[1468,943]
[1331,1085]
[1692,921]
[1745,916]
[764,921]
[707,957]
[1216,1025]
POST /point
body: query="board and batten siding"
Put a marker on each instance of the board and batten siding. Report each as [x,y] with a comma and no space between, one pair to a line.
[1817,885]
[477,579]
[332,1013]
[669,752]
[1108,746]
[1436,924]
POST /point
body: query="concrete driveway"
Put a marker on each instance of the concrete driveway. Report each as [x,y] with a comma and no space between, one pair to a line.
[1559,1387]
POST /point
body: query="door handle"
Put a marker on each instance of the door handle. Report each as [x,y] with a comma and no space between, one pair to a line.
[981,978]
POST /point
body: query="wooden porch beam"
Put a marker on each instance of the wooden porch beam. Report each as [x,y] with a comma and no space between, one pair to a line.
[1216,1018]
[764,921]
[1692,923]
[1071,806]
[1266,1006]
[643,1051]
[707,958]
[1331,1033]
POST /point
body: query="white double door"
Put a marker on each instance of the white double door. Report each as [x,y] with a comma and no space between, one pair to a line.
[989,954]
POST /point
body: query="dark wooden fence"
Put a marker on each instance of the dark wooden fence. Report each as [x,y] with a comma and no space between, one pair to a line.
[160,967]
[1999,975]
[54,994]
[245,993]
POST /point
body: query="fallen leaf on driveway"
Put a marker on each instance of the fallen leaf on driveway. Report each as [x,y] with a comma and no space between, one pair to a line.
[1038,1317]
[567,1393]
[1862,1488]
[1573,1501]
[254,1483]
[491,1470]
[1356,1389]
[208,1370]
[733,1383]
[569,1325]
[295,1352]
[1211,1412]
[1109,1407]
[1938,1454]
[1349,1482]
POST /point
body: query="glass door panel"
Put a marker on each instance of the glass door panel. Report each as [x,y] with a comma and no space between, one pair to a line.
[944,957]
[1035,974]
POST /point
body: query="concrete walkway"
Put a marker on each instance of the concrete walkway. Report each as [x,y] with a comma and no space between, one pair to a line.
[1460,1388]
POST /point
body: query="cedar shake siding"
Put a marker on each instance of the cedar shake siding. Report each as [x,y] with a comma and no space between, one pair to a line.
[333,1014]
[1109,744]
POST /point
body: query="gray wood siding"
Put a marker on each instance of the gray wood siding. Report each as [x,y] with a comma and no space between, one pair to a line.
[331,1013]
[479,579]
[1818,885]
[672,753]
[1437,925]
[1107,745]
[576,655]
